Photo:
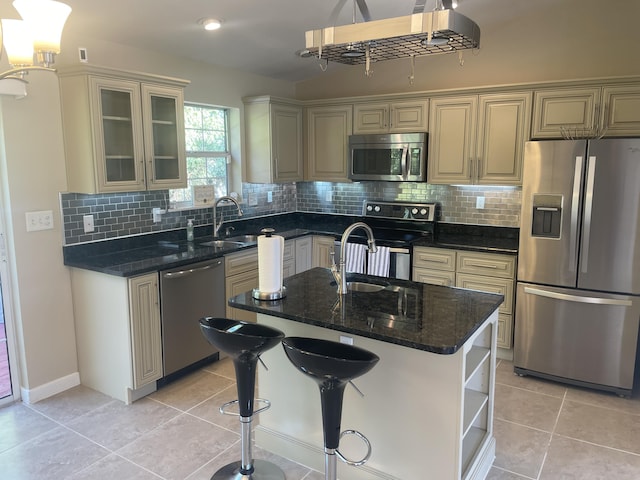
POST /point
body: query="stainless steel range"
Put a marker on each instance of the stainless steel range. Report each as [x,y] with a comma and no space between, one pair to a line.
[397,225]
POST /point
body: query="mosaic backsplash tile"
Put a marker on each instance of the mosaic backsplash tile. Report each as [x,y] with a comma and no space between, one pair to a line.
[125,214]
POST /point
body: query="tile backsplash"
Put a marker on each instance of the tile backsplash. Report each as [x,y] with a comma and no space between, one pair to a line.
[124,214]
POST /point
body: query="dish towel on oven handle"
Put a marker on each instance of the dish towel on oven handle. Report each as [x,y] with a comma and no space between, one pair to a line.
[354,257]
[378,263]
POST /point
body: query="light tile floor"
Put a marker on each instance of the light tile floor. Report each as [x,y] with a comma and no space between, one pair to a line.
[544,431]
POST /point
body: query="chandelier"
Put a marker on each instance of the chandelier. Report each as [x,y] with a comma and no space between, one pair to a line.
[33,42]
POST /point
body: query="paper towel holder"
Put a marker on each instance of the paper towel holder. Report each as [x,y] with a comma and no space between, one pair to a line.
[277,295]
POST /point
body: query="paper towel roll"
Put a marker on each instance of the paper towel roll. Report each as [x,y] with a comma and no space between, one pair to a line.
[270,256]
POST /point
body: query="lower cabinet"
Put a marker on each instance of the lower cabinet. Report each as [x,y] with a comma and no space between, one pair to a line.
[488,272]
[118,333]
[241,275]
[304,253]
[322,248]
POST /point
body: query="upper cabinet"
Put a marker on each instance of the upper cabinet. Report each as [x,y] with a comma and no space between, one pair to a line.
[478,139]
[273,128]
[609,111]
[122,131]
[406,116]
[327,142]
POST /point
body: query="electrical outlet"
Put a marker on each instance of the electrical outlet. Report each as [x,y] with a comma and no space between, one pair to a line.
[253,200]
[346,340]
[328,196]
[87,220]
[479,202]
[42,220]
[269,196]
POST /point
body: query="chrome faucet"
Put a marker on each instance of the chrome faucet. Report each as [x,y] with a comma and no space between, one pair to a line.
[340,274]
[216,226]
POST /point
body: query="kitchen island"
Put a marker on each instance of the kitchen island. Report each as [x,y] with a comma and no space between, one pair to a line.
[428,405]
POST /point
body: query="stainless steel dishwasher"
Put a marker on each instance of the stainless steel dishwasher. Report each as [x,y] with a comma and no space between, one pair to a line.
[186,295]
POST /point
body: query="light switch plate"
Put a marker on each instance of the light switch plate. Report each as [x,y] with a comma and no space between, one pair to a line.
[87,221]
[42,220]
[479,202]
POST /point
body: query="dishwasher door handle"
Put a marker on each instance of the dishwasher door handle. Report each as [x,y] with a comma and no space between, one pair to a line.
[184,273]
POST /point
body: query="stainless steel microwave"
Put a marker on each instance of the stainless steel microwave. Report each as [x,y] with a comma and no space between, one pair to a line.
[393,157]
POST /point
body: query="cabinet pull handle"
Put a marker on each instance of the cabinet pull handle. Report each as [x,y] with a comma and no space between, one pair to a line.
[480,265]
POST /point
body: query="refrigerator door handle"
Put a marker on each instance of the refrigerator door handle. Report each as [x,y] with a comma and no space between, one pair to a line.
[575,206]
[588,209]
[576,298]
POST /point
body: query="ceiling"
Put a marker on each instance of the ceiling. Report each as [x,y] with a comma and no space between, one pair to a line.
[261,37]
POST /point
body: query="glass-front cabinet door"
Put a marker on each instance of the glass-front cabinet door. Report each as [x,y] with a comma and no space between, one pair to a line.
[163,114]
[119,147]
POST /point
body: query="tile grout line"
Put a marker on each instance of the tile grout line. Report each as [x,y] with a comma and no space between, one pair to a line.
[553,430]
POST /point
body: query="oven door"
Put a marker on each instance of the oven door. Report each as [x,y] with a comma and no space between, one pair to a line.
[399,261]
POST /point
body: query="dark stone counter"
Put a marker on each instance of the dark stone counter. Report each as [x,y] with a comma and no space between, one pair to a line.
[415,315]
[160,251]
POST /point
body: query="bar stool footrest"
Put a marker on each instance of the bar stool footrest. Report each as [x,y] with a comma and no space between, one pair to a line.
[224,406]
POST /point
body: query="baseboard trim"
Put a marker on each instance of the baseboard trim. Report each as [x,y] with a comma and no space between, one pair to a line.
[49,389]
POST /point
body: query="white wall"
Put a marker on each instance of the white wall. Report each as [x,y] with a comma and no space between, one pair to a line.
[32,170]
[573,39]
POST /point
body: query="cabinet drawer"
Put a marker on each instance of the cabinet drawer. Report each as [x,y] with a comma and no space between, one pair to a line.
[490,264]
[289,252]
[241,262]
[434,277]
[434,258]
[501,286]
[505,330]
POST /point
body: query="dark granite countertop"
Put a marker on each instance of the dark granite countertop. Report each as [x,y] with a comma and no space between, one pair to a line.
[415,315]
[164,250]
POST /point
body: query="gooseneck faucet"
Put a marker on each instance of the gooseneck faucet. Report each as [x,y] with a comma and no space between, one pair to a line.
[340,273]
[216,226]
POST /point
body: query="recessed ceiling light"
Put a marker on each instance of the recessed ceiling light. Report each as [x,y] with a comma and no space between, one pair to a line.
[211,23]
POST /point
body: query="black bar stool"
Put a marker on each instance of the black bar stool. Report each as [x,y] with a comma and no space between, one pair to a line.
[244,342]
[331,365]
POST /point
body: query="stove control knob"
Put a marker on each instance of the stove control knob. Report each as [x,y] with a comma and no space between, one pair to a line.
[369,208]
[414,211]
[423,211]
[376,208]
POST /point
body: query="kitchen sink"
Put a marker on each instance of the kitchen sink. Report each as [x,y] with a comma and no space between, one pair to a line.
[223,244]
[364,287]
[243,238]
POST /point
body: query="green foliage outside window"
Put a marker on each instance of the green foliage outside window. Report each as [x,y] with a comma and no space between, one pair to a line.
[206,135]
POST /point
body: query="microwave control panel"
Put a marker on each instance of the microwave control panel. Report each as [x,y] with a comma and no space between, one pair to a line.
[425,212]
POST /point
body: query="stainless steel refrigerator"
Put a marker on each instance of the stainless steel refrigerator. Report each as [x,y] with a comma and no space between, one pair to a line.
[578,293]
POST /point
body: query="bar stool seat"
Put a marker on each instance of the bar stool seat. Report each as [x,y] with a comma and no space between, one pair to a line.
[244,342]
[331,365]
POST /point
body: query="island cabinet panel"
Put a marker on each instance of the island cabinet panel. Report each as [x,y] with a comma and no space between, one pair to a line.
[391,117]
[487,272]
[289,259]
[118,333]
[327,142]
[241,275]
[437,410]
[123,131]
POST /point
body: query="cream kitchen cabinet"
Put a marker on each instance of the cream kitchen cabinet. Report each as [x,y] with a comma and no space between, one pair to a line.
[289,259]
[241,275]
[122,131]
[322,248]
[327,142]
[406,116]
[273,128]
[611,110]
[478,139]
[488,272]
[304,253]
[118,333]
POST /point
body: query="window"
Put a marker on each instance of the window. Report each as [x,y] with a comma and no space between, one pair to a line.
[207,145]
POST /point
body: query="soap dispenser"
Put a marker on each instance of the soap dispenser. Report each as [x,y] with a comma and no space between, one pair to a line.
[190,230]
